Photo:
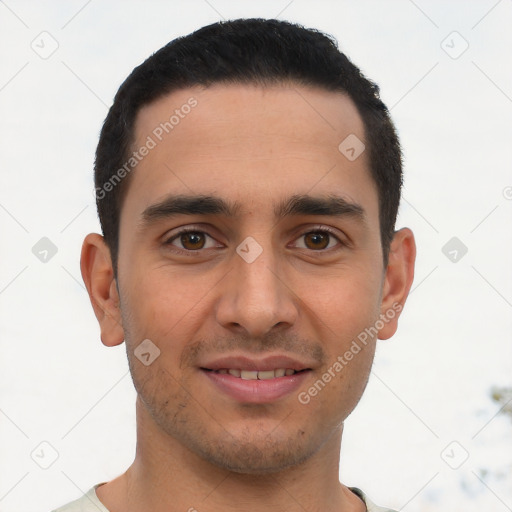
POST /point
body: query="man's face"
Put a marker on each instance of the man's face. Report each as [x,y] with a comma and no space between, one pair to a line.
[278,282]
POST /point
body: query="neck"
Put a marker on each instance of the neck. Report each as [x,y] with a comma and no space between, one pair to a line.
[166,476]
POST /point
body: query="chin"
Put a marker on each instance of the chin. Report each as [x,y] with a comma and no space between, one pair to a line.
[259,456]
[255,461]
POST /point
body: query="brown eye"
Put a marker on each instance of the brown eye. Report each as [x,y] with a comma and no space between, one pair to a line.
[317,240]
[192,241]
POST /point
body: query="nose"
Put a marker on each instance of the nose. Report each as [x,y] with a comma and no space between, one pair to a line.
[256,297]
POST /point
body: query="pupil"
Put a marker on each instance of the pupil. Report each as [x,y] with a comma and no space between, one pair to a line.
[193,239]
[318,240]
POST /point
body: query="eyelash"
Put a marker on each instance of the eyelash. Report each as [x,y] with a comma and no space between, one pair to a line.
[323,229]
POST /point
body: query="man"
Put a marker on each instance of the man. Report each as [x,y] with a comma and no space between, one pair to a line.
[248,179]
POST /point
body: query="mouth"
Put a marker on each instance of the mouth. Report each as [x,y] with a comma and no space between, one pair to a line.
[256,374]
[256,386]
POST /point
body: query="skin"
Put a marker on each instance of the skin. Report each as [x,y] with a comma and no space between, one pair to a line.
[304,296]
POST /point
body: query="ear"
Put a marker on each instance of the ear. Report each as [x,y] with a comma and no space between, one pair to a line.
[397,280]
[98,276]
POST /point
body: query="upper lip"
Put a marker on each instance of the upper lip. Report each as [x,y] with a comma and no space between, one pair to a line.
[251,363]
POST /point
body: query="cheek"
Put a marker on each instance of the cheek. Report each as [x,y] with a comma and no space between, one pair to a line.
[344,320]
[345,302]
[163,306]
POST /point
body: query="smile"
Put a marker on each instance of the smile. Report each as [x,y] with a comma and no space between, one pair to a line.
[256,374]
[256,386]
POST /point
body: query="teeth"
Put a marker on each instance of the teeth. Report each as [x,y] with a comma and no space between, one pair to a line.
[269,374]
[249,375]
[257,375]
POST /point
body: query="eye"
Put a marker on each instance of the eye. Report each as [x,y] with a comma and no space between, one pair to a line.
[191,240]
[318,240]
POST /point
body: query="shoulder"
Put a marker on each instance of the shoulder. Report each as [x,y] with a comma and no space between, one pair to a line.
[370,506]
[88,502]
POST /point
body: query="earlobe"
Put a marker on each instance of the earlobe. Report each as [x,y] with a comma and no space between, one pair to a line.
[397,281]
[98,276]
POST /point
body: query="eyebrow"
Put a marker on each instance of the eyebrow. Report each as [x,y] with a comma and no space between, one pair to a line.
[300,204]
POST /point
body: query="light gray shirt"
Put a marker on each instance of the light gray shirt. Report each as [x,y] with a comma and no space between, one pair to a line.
[90,502]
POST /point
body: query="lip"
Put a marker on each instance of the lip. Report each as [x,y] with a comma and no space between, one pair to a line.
[250,363]
[256,391]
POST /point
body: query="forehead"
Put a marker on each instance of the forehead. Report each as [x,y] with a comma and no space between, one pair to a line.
[254,144]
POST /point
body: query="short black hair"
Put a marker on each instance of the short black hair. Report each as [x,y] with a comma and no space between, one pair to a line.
[245,51]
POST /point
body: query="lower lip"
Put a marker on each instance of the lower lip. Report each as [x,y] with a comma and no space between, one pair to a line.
[256,391]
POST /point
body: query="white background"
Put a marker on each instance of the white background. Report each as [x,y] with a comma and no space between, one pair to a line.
[431,383]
